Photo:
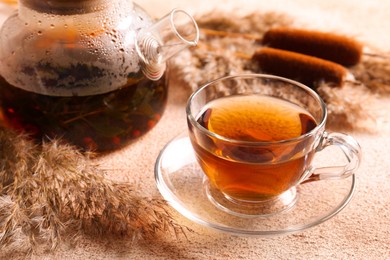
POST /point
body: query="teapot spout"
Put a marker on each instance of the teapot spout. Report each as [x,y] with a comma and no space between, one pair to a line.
[170,35]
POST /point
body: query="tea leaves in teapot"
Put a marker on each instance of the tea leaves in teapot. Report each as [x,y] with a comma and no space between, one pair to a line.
[100,123]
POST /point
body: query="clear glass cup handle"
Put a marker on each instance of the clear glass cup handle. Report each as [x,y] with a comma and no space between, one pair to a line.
[352,151]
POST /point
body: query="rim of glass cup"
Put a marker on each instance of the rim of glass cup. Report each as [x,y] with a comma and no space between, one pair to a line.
[320,125]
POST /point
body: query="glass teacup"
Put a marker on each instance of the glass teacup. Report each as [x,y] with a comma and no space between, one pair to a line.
[255,137]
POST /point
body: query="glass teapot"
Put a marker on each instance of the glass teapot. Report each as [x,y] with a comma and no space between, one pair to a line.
[91,72]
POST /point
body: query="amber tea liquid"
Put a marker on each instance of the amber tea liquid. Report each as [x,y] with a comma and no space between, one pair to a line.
[100,123]
[249,172]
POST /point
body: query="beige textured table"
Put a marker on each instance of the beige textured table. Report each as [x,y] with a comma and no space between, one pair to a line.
[360,231]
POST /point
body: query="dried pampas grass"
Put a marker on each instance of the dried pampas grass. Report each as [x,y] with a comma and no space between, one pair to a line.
[226,47]
[374,72]
[217,56]
[52,192]
[347,106]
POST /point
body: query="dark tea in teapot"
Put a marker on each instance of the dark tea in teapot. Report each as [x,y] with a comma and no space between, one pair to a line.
[98,122]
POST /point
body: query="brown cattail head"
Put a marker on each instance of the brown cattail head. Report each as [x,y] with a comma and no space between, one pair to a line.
[340,49]
[303,68]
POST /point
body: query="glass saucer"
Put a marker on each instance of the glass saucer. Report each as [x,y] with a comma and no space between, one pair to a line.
[181,182]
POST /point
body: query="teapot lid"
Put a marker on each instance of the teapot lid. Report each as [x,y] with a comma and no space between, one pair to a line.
[66,7]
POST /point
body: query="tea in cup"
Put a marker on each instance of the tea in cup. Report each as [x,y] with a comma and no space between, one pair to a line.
[255,137]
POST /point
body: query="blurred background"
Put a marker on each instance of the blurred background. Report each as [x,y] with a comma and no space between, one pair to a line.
[367,18]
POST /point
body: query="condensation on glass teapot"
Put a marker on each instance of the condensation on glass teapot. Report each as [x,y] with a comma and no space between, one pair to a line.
[92,72]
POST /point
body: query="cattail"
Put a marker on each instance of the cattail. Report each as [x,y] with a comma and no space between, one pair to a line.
[329,46]
[304,68]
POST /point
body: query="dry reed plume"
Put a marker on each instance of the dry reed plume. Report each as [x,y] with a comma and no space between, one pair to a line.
[51,191]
